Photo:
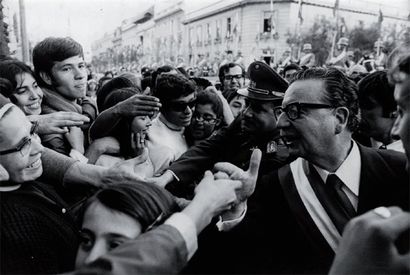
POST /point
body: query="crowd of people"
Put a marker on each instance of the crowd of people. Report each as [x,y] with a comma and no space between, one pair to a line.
[298,170]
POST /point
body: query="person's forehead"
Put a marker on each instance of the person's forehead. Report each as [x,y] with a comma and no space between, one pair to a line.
[234,71]
[102,221]
[13,128]
[204,109]
[402,93]
[24,79]
[185,99]
[304,91]
[71,60]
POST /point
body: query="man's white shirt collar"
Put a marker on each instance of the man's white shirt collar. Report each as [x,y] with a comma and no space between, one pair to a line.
[348,172]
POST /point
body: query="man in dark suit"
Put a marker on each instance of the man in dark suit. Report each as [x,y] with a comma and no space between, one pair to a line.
[383,230]
[254,128]
[303,207]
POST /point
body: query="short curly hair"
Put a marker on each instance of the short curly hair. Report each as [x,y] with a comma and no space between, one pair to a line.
[172,86]
[340,91]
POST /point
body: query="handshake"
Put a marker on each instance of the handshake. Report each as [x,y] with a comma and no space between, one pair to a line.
[223,193]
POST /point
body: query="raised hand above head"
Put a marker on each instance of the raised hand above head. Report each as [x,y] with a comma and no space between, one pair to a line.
[138,105]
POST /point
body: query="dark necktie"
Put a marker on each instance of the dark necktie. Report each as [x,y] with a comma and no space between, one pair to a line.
[333,199]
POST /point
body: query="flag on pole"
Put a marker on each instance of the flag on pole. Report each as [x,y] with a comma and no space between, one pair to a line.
[380,18]
[300,12]
[336,8]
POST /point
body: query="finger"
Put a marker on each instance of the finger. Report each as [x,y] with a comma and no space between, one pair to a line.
[59,130]
[221,175]
[145,98]
[208,175]
[67,123]
[227,168]
[396,225]
[71,116]
[255,162]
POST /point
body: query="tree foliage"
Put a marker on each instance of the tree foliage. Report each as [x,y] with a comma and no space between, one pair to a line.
[320,36]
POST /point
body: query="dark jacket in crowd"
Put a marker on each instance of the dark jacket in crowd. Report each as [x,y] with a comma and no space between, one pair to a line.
[38,235]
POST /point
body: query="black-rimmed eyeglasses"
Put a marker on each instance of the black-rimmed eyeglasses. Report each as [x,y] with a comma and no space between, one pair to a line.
[24,145]
[232,77]
[205,119]
[293,110]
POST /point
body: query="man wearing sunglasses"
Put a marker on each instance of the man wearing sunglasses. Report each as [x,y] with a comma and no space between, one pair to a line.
[177,95]
[304,206]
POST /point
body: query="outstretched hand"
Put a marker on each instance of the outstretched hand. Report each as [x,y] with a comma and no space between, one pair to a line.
[368,244]
[58,122]
[247,178]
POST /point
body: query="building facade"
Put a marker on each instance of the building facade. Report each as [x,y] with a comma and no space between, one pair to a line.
[237,30]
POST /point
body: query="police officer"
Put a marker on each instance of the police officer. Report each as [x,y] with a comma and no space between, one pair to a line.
[254,128]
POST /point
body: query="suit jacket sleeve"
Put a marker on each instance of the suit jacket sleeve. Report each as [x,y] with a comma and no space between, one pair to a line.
[160,251]
[55,166]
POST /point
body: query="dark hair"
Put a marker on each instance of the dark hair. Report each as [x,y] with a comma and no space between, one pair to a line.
[225,68]
[402,66]
[9,69]
[146,82]
[201,82]
[183,72]
[54,49]
[170,87]
[374,91]
[6,87]
[291,66]
[158,72]
[122,81]
[148,204]
[340,91]
[210,97]
[122,131]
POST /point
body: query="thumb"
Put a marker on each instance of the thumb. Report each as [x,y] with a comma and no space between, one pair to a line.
[255,162]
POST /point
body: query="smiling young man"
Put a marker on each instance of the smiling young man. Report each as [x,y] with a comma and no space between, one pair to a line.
[59,63]
[177,95]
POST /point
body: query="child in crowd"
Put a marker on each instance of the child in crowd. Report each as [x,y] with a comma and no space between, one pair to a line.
[131,134]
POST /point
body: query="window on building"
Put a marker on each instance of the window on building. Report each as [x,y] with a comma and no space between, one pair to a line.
[141,40]
[268,23]
[208,31]
[228,26]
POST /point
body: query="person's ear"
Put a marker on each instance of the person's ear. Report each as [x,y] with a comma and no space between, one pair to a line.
[4,175]
[342,117]
[46,78]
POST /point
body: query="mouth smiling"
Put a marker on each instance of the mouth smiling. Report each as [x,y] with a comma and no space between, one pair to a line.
[35,105]
[35,164]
